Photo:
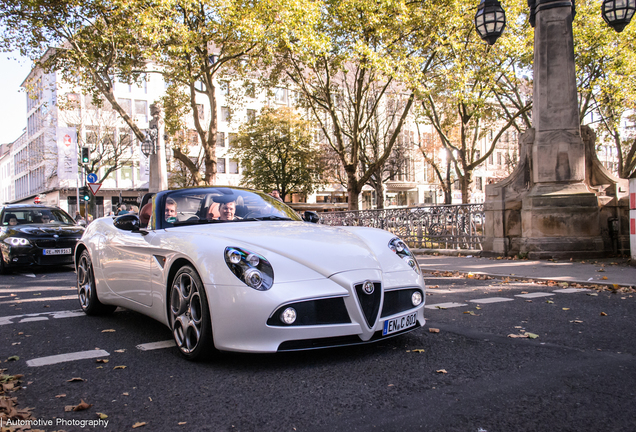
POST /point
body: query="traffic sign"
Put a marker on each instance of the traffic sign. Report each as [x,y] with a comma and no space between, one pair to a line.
[36,200]
[91,178]
[94,187]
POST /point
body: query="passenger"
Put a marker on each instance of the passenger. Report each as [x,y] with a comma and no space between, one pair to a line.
[46,218]
[171,209]
[276,194]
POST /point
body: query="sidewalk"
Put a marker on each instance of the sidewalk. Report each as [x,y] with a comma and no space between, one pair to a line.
[596,271]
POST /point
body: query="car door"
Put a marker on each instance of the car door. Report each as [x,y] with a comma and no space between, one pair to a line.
[125,258]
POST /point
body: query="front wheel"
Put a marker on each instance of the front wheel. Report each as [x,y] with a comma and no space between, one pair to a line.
[190,316]
[86,288]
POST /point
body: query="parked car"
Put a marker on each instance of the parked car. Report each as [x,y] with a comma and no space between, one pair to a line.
[36,235]
[233,269]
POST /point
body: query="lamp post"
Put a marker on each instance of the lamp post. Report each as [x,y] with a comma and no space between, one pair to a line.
[154,150]
[551,205]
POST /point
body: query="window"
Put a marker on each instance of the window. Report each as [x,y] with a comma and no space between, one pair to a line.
[220,166]
[224,88]
[220,139]
[234,167]
[141,107]
[230,139]
[201,111]
[126,172]
[479,183]
[126,105]
[193,138]
[498,158]
[280,95]
[251,115]
[490,159]
[225,114]
[250,90]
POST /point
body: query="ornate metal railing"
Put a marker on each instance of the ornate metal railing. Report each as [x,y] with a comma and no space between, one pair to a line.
[439,227]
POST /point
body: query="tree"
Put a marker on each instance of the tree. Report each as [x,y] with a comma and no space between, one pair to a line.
[362,56]
[606,66]
[476,93]
[277,151]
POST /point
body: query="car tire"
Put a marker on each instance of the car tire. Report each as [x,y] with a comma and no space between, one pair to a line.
[3,268]
[86,292]
[190,316]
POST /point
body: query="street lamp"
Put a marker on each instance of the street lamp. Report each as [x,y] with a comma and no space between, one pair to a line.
[618,13]
[149,145]
[490,20]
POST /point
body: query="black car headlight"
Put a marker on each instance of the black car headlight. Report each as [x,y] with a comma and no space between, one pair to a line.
[252,269]
[17,242]
[402,250]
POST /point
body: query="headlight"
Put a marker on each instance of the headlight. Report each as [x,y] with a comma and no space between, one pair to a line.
[402,250]
[252,269]
[17,241]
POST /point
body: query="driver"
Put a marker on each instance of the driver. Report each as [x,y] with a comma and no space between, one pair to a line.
[171,209]
[227,211]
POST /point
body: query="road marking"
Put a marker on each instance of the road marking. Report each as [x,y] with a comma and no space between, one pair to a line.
[61,358]
[571,290]
[40,318]
[444,305]
[534,295]
[43,316]
[491,300]
[156,345]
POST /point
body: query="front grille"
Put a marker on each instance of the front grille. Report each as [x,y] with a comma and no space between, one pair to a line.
[370,303]
[396,301]
[314,312]
[56,243]
[330,342]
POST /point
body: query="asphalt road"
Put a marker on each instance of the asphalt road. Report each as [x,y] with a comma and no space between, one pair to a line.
[578,374]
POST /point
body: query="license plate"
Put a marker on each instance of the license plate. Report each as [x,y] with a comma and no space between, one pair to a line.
[400,323]
[66,251]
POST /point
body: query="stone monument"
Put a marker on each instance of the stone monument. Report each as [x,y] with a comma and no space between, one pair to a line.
[560,201]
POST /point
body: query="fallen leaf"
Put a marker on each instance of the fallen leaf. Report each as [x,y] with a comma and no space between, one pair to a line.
[76,379]
[82,406]
[566,308]
[61,395]
[181,423]
[592,294]
[418,350]
[108,331]
[119,367]
[524,292]
[120,350]
[517,335]
[390,385]
[102,416]
[433,330]
[125,394]
[443,371]
[576,321]
[101,361]
[603,314]
[604,278]
[13,358]
[440,307]
[549,301]
[532,335]
[139,424]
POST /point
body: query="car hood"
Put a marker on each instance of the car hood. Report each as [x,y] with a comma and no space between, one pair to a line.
[41,230]
[324,249]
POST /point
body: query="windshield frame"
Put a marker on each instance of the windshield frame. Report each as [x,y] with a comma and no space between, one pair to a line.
[159,201]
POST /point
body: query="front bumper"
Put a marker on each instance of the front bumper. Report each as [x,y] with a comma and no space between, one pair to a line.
[331,312]
[14,257]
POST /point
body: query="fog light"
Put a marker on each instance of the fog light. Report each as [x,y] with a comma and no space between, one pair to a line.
[288,316]
[416,298]
[253,278]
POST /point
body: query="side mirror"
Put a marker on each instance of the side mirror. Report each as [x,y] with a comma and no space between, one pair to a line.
[311,216]
[127,222]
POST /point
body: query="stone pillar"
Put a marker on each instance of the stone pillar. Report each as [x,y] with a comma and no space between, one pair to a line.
[551,205]
[632,218]
[157,175]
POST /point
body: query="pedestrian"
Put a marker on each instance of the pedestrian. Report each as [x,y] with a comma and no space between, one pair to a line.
[122,210]
[276,194]
[78,216]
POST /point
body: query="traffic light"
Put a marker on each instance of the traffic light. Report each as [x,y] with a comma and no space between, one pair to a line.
[84,194]
[86,155]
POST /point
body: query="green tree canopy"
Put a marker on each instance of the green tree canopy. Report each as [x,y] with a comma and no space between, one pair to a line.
[277,151]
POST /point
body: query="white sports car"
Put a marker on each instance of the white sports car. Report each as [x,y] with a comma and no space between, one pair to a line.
[233,269]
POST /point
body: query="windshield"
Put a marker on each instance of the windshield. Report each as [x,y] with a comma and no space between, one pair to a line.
[222,204]
[25,216]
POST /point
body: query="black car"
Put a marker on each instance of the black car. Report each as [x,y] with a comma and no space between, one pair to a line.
[36,235]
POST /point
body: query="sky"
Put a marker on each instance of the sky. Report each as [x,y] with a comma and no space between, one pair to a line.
[13,71]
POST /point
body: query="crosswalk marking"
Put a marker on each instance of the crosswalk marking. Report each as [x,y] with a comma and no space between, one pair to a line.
[156,345]
[42,316]
[571,290]
[534,295]
[491,300]
[61,358]
[444,305]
